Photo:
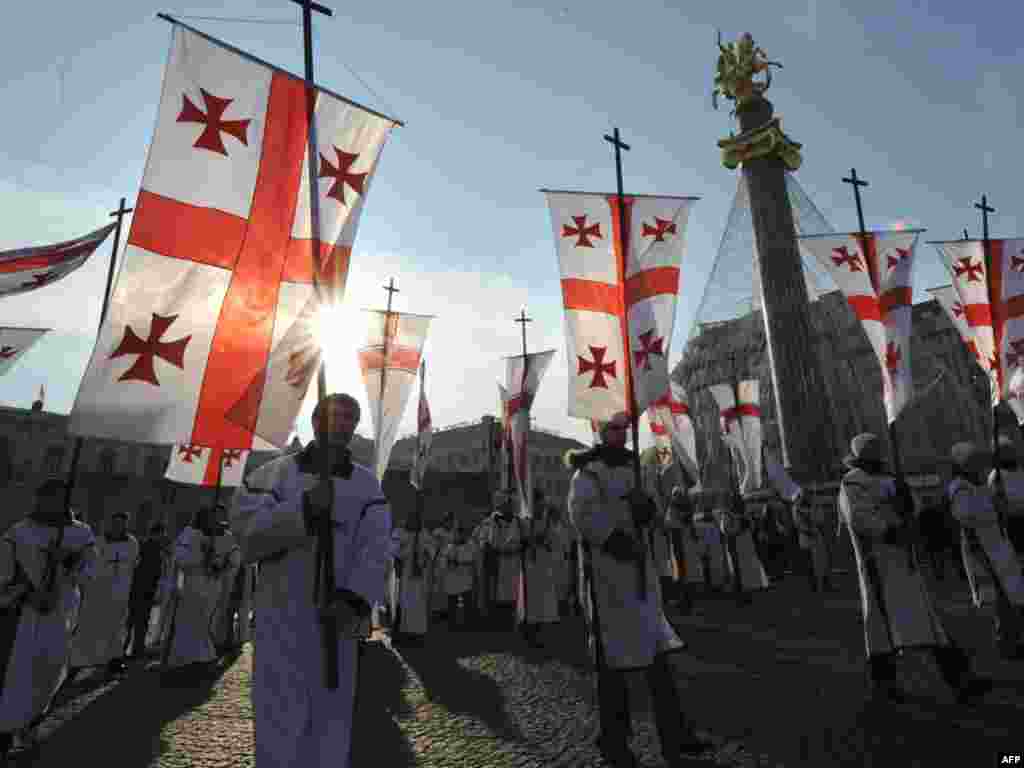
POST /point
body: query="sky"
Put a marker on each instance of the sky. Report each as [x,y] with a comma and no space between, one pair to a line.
[499,100]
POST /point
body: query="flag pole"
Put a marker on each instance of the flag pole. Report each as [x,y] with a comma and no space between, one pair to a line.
[76,453]
[385,338]
[324,582]
[634,417]
[524,464]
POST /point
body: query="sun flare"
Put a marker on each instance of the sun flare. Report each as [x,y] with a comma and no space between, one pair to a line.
[340,331]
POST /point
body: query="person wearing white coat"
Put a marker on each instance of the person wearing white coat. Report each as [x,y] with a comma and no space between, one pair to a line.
[504,541]
[227,562]
[45,561]
[460,554]
[897,607]
[416,550]
[542,547]
[277,515]
[1012,477]
[986,546]
[629,627]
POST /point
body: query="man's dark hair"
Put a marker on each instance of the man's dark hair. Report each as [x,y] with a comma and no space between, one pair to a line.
[337,397]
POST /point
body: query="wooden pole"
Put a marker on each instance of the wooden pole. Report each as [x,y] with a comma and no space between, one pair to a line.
[634,417]
[385,339]
[324,584]
[76,453]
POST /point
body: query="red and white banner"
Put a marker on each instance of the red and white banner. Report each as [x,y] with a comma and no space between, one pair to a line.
[389,362]
[874,272]
[14,343]
[522,380]
[26,269]
[674,434]
[740,413]
[991,297]
[948,298]
[220,258]
[619,295]
[505,441]
[198,465]
[424,434]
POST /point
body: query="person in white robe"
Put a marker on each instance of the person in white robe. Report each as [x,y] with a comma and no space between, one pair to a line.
[277,516]
[416,548]
[630,630]
[103,615]
[1012,477]
[226,564]
[537,601]
[897,607]
[506,543]
[45,561]
[438,566]
[485,569]
[459,553]
[189,639]
[986,545]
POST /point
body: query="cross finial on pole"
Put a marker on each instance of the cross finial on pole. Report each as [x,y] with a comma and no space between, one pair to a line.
[390,288]
[985,209]
[857,184]
[966,236]
[523,320]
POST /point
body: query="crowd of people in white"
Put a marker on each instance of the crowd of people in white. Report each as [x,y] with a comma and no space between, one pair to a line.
[626,559]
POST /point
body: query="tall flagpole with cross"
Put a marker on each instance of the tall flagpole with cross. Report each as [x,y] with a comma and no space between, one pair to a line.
[76,454]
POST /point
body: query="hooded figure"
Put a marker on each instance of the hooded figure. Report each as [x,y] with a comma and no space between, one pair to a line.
[1012,478]
[103,615]
[415,549]
[896,605]
[623,606]
[985,546]
[542,552]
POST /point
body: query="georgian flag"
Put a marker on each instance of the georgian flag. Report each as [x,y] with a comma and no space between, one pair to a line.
[424,434]
[25,269]
[948,298]
[198,465]
[219,263]
[991,296]
[740,421]
[874,272]
[619,296]
[389,362]
[522,380]
[504,476]
[674,434]
[15,342]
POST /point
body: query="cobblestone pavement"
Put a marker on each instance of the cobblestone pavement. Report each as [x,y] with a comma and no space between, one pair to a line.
[779,682]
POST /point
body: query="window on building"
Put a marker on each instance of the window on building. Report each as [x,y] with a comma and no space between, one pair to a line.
[54,460]
[108,459]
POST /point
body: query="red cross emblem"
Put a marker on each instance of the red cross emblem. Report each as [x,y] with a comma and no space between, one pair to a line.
[41,279]
[213,121]
[648,346]
[958,309]
[341,175]
[598,366]
[582,231]
[841,256]
[893,357]
[901,254]
[661,228]
[973,271]
[148,349]
[230,456]
[302,364]
[1016,354]
[8,352]
[189,452]
[1017,262]
[664,454]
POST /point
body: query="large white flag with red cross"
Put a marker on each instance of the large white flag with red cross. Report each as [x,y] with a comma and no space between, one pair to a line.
[991,295]
[220,258]
[15,342]
[674,434]
[389,362]
[200,465]
[874,272]
[522,380]
[619,294]
[25,269]
[948,298]
[424,434]
[739,410]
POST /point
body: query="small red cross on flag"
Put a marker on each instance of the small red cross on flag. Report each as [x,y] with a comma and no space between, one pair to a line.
[221,258]
[26,269]
[582,231]
[201,465]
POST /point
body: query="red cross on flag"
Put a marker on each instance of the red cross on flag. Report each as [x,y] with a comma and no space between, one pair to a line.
[197,465]
[948,298]
[14,342]
[619,295]
[390,361]
[26,269]
[673,430]
[522,380]
[740,412]
[874,272]
[991,294]
[424,435]
[219,261]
